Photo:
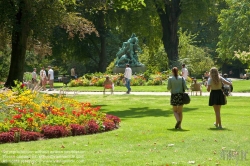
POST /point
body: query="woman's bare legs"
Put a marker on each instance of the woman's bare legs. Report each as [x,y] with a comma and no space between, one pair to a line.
[217,115]
[178,115]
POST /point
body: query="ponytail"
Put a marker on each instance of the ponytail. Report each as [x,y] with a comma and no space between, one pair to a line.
[175,72]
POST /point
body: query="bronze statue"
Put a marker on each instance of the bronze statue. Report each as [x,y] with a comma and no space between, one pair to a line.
[128,53]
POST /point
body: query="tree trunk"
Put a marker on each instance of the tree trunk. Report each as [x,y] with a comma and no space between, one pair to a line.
[102,31]
[169,20]
[20,34]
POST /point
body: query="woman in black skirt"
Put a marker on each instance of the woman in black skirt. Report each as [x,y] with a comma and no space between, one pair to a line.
[216,98]
[176,84]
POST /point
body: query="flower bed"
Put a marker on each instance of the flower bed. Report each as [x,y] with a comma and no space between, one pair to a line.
[29,116]
[97,79]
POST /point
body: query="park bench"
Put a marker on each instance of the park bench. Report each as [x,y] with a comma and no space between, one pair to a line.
[195,87]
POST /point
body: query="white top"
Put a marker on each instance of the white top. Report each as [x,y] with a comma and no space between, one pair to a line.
[72,72]
[128,73]
[42,74]
[184,73]
[51,74]
[34,74]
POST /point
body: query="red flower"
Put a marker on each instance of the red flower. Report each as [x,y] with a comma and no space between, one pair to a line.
[18,116]
[30,120]
[12,121]
[22,85]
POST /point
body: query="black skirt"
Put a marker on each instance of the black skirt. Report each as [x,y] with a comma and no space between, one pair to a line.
[176,99]
[216,98]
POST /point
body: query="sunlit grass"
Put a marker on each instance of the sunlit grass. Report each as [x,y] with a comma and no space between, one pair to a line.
[147,135]
[239,86]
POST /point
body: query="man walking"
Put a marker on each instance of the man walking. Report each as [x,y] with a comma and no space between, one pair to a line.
[51,78]
[127,76]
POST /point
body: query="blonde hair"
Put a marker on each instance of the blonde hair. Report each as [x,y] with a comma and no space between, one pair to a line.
[214,74]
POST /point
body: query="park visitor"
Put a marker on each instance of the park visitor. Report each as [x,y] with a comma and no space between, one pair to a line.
[51,78]
[184,71]
[73,73]
[108,84]
[34,76]
[127,76]
[216,97]
[43,78]
[176,84]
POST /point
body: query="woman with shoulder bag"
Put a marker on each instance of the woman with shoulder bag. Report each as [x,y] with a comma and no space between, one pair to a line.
[216,97]
[177,84]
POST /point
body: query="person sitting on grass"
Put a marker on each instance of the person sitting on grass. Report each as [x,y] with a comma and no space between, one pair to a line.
[108,84]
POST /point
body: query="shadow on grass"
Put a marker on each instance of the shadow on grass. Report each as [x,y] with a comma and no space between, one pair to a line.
[141,112]
[217,129]
[6,164]
[178,130]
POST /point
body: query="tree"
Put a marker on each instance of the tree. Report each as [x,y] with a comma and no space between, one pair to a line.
[169,13]
[197,59]
[24,18]
[234,27]
[103,13]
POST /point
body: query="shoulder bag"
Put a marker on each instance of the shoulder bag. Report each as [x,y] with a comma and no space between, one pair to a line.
[186,99]
[224,94]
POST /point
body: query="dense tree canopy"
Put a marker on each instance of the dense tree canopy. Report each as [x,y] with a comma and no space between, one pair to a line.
[235,31]
[29,18]
[90,32]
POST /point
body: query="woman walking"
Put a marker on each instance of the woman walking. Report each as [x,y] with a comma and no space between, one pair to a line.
[216,98]
[176,84]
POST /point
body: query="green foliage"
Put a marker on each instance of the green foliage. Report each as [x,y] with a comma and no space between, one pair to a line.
[197,60]
[4,63]
[235,34]
[243,56]
[154,62]
[19,87]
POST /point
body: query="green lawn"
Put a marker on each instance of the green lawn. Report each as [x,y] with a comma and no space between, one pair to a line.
[239,86]
[147,136]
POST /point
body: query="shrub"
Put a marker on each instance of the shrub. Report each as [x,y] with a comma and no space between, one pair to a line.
[93,127]
[109,124]
[100,82]
[55,131]
[6,137]
[115,119]
[77,129]
[30,136]
[73,83]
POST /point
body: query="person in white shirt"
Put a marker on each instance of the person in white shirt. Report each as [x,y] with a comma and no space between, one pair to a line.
[34,77]
[43,78]
[127,76]
[184,72]
[73,73]
[51,78]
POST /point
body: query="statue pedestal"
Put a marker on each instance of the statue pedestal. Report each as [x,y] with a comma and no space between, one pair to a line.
[137,69]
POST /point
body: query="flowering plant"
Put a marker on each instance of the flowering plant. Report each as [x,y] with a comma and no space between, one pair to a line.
[32,115]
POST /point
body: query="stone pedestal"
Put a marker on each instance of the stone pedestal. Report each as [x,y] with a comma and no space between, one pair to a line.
[137,69]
